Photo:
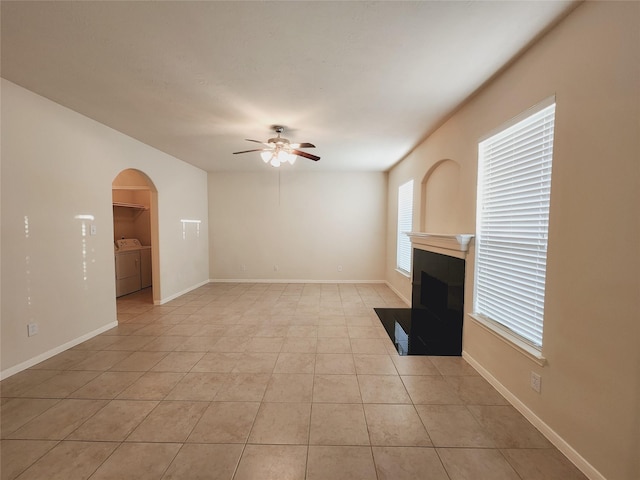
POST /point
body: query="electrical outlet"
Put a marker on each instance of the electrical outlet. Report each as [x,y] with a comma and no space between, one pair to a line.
[93,230]
[275,268]
[339,268]
[536,382]
[32,329]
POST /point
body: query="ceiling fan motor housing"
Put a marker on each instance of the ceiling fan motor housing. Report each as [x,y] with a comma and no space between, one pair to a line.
[279,141]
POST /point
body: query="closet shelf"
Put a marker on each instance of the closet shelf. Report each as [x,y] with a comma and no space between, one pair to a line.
[134,206]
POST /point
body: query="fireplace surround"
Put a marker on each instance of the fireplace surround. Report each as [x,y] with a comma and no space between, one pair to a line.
[433,324]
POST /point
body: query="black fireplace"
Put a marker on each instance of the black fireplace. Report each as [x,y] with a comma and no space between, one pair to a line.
[433,324]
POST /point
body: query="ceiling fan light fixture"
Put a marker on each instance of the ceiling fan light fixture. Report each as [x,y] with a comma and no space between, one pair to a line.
[277,157]
[287,157]
[266,156]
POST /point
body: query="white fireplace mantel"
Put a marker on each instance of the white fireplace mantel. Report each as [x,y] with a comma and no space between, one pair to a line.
[458,243]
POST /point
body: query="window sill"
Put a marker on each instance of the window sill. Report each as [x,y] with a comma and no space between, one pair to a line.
[402,272]
[513,341]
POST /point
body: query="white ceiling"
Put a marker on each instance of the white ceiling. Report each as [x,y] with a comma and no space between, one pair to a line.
[363,81]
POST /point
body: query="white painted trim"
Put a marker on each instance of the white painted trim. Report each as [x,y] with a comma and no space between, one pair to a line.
[54,351]
[509,338]
[578,460]
[281,280]
[403,273]
[179,294]
[456,245]
[395,290]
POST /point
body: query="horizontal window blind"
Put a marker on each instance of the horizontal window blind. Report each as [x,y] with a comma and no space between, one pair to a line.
[405,224]
[514,185]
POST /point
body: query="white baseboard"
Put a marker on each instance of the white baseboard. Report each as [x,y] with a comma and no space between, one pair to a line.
[578,460]
[280,280]
[54,351]
[395,290]
[176,295]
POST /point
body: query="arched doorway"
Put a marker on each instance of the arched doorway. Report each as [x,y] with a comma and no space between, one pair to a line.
[135,217]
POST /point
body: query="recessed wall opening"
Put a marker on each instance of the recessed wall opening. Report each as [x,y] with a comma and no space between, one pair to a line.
[440,198]
[135,231]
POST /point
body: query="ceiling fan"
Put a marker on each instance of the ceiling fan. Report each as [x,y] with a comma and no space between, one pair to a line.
[279,150]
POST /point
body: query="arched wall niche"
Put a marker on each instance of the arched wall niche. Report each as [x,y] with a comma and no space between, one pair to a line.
[132,186]
[440,199]
[133,179]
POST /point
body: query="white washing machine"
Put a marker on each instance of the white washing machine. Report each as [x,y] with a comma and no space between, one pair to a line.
[133,266]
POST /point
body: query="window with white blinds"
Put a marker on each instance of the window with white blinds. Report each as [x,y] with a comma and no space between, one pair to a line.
[405,224]
[514,185]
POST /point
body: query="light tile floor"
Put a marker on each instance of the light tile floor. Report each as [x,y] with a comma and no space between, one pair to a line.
[262,382]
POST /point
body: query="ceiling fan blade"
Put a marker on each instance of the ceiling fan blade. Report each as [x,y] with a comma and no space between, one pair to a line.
[255,150]
[257,141]
[302,145]
[305,155]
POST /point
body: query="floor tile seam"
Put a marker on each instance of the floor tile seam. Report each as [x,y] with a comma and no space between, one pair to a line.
[504,457]
[114,397]
[367,445]
[376,374]
[40,397]
[430,376]
[35,417]
[150,399]
[366,422]
[57,442]
[491,436]
[171,400]
[117,400]
[389,403]
[421,447]
[419,375]
[552,448]
[423,424]
[476,404]
[118,442]
[309,431]
[186,436]
[123,443]
[444,468]
[253,423]
[237,463]
[3,435]
[139,351]
[460,375]
[470,446]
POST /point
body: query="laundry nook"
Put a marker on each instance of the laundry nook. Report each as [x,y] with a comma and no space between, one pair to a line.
[132,233]
[133,266]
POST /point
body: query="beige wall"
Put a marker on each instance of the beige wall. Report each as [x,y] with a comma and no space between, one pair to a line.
[56,166]
[306,224]
[590,400]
